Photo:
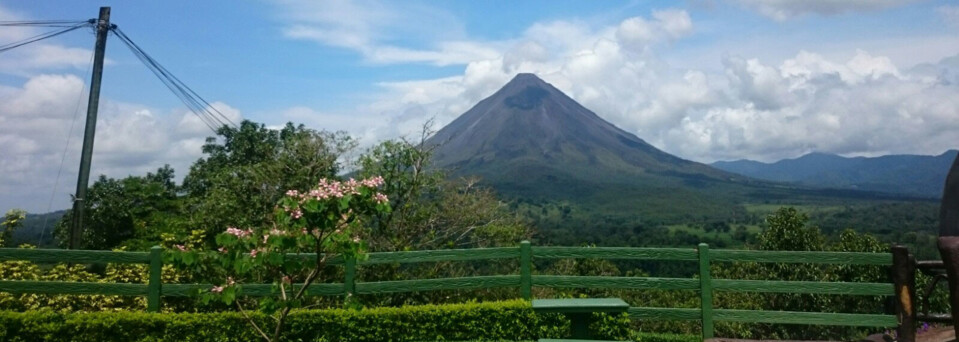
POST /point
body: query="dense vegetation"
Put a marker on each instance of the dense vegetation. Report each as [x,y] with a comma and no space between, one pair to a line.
[511,320]
[247,170]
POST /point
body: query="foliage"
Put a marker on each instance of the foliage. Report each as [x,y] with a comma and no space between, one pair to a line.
[509,320]
[660,337]
[247,170]
[322,223]
[12,220]
[430,212]
[112,273]
[119,210]
[788,229]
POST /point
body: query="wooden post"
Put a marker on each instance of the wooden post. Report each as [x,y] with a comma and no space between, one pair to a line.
[156,270]
[349,280]
[86,154]
[525,270]
[705,291]
[904,278]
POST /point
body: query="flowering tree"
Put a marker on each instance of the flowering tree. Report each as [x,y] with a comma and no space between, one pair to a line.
[309,229]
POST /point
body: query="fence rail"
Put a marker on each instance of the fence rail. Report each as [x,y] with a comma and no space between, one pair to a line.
[525,280]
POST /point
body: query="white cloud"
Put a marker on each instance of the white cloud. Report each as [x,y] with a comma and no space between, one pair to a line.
[861,104]
[37,57]
[786,9]
[35,128]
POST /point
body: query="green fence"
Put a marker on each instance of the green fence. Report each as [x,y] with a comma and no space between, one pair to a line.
[525,280]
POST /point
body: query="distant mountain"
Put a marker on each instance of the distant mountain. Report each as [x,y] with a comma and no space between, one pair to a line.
[37,229]
[530,141]
[913,175]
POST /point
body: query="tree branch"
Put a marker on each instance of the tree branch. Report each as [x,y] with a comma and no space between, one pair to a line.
[252,322]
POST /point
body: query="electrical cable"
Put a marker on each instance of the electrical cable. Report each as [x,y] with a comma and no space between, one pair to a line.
[208,114]
[46,23]
[40,37]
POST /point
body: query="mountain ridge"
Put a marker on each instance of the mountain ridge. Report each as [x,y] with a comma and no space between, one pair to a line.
[906,174]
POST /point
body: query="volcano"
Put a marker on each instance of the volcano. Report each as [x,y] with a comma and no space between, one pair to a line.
[531,141]
[531,124]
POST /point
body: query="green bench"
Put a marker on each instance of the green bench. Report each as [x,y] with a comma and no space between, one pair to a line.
[579,310]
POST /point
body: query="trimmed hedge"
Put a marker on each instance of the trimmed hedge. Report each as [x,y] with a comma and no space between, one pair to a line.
[508,320]
[657,337]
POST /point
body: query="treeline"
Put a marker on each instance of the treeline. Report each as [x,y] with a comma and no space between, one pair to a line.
[914,224]
[245,170]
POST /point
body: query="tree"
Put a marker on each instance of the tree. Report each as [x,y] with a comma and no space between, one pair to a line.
[247,170]
[788,230]
[324,222]
[118,210]
[12,220]
[430,212]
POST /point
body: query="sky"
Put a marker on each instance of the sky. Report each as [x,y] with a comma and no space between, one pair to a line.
[706,80]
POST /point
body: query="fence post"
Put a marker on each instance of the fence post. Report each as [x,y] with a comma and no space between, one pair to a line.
[904,278]
[349,280]
[525,270]
[705,291]
[156,270]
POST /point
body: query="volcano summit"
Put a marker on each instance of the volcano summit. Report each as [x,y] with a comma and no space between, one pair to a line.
[530,141]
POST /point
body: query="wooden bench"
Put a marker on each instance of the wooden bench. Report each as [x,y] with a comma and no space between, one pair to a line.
[579,310]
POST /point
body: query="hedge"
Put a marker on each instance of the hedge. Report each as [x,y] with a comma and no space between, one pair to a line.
[658,337]
[508,320]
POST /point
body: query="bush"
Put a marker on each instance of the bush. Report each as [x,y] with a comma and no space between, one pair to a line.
[655,337]
[508,320]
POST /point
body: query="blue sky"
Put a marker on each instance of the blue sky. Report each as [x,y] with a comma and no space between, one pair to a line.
[706,80]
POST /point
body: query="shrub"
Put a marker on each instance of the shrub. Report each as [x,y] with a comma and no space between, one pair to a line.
[508,320]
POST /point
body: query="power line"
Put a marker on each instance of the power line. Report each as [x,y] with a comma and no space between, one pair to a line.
[42,36]
[209,115]
[46,23]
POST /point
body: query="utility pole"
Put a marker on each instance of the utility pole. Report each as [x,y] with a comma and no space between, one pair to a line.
[103,27]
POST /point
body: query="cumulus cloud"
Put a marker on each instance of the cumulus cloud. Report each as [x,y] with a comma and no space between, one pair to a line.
[35,130]
[36,57]
[860,105]
[786,9]
[639,32]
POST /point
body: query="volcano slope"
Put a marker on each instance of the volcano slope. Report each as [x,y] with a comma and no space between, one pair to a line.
[533,144]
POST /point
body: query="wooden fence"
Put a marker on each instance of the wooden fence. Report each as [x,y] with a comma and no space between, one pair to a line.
[902,285]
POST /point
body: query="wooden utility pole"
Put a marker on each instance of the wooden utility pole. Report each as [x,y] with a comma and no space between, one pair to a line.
[103,27]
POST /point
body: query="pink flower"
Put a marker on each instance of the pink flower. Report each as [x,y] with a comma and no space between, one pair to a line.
[253,253]
[230,281]
[297,213]
[222,249]
[293,193]
[372,182]
[380,198]
[180,247]
[217,289]
[238,232]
